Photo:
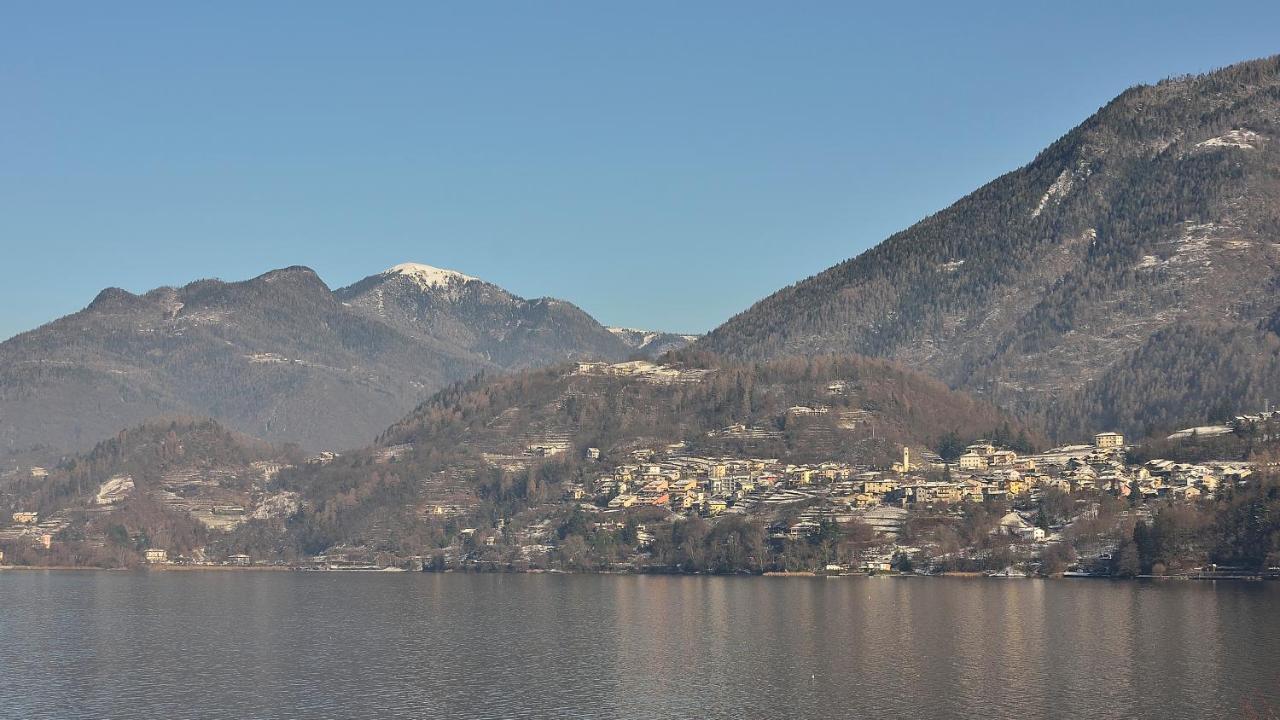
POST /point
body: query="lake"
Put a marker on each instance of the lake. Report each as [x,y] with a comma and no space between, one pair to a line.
[322,645]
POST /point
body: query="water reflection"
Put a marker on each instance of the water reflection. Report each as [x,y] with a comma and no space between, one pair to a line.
[329,645]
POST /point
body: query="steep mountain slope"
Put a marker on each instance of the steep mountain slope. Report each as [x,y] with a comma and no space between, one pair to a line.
[276,356]
[1083,284]
[480,318]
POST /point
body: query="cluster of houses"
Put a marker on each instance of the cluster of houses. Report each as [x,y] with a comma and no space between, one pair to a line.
[198,492]
[686,484]
[29,527]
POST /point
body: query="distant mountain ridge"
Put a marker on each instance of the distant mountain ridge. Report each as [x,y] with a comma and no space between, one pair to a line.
[1125,278]
[279,356]
[651,343]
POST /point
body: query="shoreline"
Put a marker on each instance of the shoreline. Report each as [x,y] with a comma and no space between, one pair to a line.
[152,568]
[810,574]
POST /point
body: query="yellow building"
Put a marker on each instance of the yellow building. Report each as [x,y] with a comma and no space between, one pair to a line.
[972,461]
[879,486]
[1003,458]
[683,485]
[1108,440]
[624,501]
[863,500]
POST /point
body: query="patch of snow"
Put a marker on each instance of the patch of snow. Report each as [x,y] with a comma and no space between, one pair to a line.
[952,266]
[428,277]
[1195,244]
[641,370]
[1148,261]
[1202,431]
[634,337]
[282,504]
[114,490]
[1062,185]
[1243,139]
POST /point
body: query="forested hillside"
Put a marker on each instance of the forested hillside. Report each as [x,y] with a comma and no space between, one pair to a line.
[491,446]
[479,451]
[167,484]
[1125,278]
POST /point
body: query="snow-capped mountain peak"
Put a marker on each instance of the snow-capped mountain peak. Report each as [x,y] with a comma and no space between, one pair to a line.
[428,277]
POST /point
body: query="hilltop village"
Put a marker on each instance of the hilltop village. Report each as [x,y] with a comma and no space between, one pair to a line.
[906,516]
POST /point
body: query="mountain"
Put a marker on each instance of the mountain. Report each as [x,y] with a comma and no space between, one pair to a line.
[277,356]
[482,319]
[280,356]
[651,343]
[1125,278]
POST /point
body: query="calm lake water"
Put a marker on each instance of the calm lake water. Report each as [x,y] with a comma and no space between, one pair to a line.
[331,645]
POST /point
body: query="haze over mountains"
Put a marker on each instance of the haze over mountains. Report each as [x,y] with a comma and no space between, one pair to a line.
[280,356]
[1125,278]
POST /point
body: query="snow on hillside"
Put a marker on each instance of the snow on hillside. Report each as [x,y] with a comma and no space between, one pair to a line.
[428,277]
[1243,139]
[651,342]
[1061,186]
[634,336]
[1201,431]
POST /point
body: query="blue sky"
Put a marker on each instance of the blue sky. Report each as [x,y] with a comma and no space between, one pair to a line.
[660,164]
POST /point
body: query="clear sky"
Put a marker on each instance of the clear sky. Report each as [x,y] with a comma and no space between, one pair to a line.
[662,165]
